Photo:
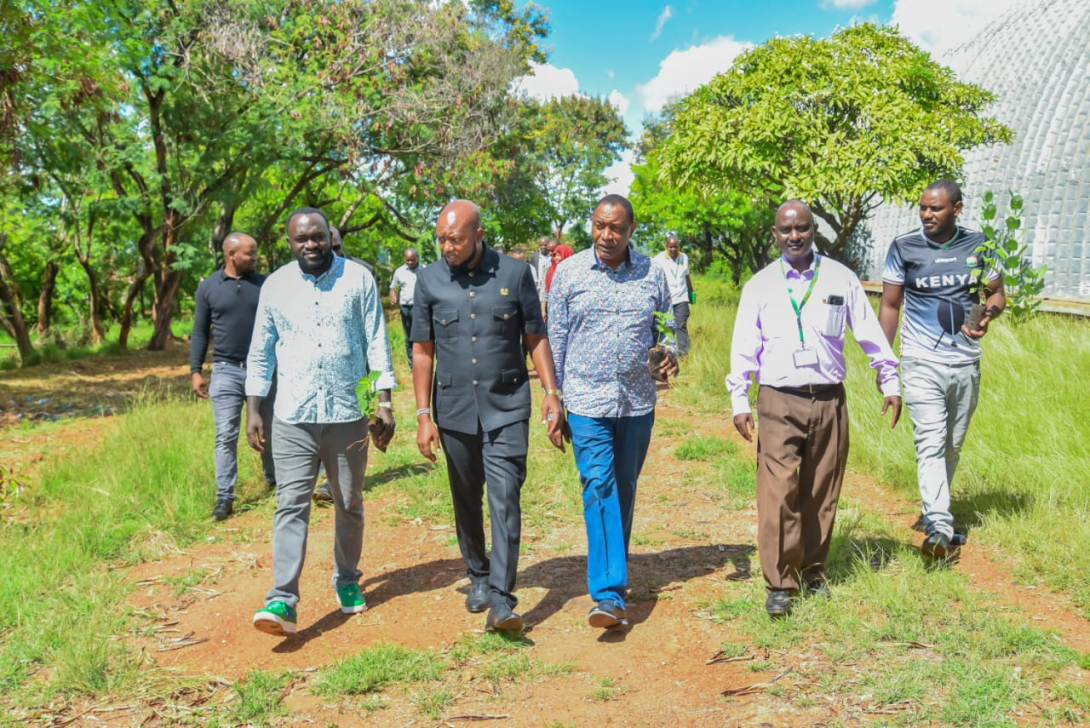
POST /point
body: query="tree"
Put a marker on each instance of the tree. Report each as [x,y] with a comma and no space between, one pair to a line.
[842,123]
[561,149]
[727,224]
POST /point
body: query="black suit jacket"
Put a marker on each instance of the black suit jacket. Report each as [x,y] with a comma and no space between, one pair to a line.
[477,319]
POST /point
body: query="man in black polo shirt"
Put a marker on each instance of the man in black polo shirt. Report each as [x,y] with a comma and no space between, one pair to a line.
[226,305]
[471,312]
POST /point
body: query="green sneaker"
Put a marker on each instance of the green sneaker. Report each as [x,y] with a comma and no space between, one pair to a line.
[351,599]
[276,618]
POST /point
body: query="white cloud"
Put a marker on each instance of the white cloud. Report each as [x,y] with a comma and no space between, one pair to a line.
[546,81]
[683,71]
[845,4]
[664,16]
[938,25]
[619,100]
[620,174]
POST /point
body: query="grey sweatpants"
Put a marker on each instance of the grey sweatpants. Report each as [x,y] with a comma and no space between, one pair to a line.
[941,399]
[298,448]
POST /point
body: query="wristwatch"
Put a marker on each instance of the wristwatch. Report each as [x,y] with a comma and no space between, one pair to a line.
[555,392]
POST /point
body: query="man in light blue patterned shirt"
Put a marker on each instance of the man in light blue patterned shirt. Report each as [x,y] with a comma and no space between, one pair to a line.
[320,326]
[601,324]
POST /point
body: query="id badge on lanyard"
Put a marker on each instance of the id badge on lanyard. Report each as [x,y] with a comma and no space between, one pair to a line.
[804,356]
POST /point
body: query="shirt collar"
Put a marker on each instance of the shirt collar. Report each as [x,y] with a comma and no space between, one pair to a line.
[333,271]
[490,260]
[790,272]
[624,263]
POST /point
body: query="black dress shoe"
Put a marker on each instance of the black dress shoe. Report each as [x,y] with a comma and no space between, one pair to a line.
[223,509]
[502,619]
[607,614]
[477,601]
[818,588]
[778,603]
[936,547]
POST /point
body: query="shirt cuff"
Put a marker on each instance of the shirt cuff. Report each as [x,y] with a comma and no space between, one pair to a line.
[257,387]
[386,381]
[891,388]
[740,405]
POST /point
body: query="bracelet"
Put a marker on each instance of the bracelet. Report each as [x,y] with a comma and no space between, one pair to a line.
[386,405]
[554,392]
[423,411]
[993,311]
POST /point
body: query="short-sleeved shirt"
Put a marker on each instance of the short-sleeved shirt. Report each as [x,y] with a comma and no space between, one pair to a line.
[677,275]
[404,281]
[477,318]
[937,282]
[601,324]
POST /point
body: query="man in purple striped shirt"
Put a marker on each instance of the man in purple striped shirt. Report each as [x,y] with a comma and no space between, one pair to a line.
[790,332]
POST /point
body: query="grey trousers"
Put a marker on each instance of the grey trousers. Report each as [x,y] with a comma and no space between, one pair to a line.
[497,457]
[342,448]
[941,399]
[681,327]
[227,390]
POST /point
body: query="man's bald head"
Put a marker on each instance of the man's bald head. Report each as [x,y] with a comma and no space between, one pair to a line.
[459,234]
[239,254]
[463,210]
[794,232]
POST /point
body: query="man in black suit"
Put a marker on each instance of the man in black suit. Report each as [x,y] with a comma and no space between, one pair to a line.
[472,312]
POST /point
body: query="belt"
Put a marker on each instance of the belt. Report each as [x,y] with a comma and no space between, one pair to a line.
[228,362]
[811,390]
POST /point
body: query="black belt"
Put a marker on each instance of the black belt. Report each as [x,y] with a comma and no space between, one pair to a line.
[811,390]
[239,364]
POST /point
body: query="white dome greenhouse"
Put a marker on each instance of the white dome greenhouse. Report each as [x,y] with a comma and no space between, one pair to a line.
[1036,59]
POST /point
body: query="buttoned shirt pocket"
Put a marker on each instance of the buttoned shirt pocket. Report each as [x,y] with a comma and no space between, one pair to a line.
[443,383]
[506,320]
[510,379]
[834,321]
[445,323]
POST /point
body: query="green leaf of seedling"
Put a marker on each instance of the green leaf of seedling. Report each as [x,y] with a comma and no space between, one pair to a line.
[989,212]
[1013,223]
[1016,202]
[1010,281]
[988,196]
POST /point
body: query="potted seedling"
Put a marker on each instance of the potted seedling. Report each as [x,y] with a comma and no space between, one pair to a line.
[657,354]
[367,396]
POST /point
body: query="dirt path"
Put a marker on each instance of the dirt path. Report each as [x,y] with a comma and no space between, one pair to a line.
[414,582]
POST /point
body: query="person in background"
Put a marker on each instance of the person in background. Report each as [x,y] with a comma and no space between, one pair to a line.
[675,264]
[402,286]
[226,303]
[560,253]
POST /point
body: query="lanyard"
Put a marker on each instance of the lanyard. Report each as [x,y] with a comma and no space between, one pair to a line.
[806,297]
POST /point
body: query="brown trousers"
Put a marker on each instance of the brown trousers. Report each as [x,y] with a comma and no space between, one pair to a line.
[802,448]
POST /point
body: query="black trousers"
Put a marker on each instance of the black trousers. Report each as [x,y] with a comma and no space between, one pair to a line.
[497,457]
[407,325]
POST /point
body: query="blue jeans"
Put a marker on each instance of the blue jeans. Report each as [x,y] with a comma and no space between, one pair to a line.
[227,390]
[609,453]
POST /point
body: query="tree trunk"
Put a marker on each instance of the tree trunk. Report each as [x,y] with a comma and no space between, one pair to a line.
[11,317]
[45,299]
[98,331]
[164,310]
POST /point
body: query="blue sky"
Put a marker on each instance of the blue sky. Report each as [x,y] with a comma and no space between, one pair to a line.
[641,53]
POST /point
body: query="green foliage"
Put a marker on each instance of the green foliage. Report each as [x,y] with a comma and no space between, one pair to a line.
[1023,283]
[725,224]
[840,122]
[367,395]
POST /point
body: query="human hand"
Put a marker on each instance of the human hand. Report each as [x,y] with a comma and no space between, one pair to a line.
[384,418]
[981,330]
[199,387]
[427,437]
[669,367]
[744,424]
[255,428]
[552,416]
[894,402]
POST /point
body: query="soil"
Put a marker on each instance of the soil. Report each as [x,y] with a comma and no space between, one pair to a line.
[415,586]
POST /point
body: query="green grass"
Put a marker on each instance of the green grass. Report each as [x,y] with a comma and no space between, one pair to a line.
[257,698]
[63,343]
[378,668]
[142,492]
[705,448]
